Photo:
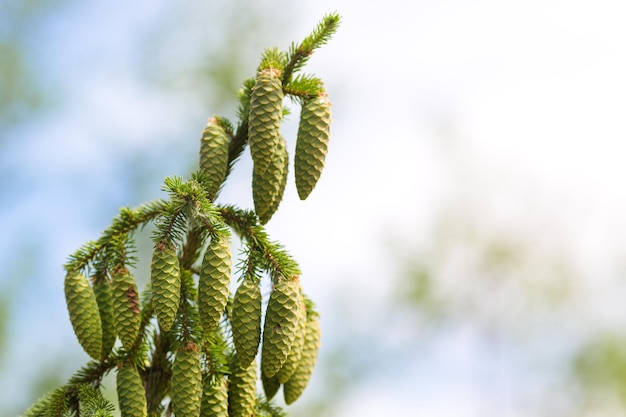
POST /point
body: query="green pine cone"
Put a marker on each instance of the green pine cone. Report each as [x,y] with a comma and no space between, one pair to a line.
[270,385]
[281,325]
[268,185]
[130,392]
[246,321]
[291,364]
[165,281]
[214,398]
[311,143]
[294,388]
[214,155]
[103,292]
[187,382]
[242,389]
[214,282]
[266,113]
[84,314]
[126,307]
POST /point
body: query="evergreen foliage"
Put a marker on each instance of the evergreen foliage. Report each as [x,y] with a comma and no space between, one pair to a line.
[185,344]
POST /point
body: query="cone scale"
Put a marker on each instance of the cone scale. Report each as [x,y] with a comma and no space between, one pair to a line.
[291,364]
[130,392]
[246,321]
[187,382]
[215,397]
[281,325]
[84,313]
[104,297]
[266,113]
[242,389]
[294,388]
[270,386]
[126,307]
[165,280]
[213,155]
[311,143]
[214,282]
[268,185]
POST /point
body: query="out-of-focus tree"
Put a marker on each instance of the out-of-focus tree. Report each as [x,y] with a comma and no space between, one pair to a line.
[501,270]
[492,308]
[23,96]
[599,374]
[23,86]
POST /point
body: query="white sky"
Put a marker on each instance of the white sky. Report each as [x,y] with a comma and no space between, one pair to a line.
[524,100]
[527,98]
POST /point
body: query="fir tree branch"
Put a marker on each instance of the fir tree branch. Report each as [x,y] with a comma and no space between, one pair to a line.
[217,351]
[189,207]
[171,225]
[226,125]
[192,247]
[126,221]
[92,372]
[275,258]
[304,86]
[295,59]
[187,322]
[40,407]
[122,251]
[59,402]
[92,403]
[250,264]
[186,220]
[265,408]
[300,54]
[239,139]
[139,351]
[311,311]
[237,145]
[272,58]
[206,220]
[157,376]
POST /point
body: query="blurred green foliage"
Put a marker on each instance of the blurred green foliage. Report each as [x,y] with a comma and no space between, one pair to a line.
[469,271]
[600,368]
[526,301]
[23,91]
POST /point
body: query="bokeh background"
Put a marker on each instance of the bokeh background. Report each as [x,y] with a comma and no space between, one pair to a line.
[465,245]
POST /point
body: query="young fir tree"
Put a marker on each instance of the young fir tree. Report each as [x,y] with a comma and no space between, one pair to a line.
[186,345]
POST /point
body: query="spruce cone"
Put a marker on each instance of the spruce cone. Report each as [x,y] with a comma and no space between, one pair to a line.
[102,290]
[165,280]
[281,325]
[268,185]
[242,389]
[291,364]
[246,321]
[214,155]
[215,398]
[294,388]
[130,392]
[266,113]
[187,382]
[311,143]
[214,282]
[126,307]
[270,385]
[84,314]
